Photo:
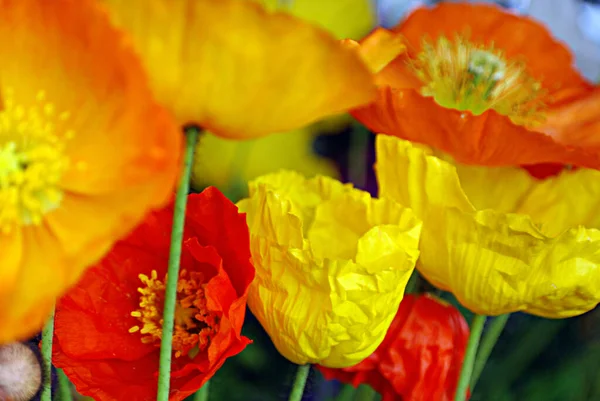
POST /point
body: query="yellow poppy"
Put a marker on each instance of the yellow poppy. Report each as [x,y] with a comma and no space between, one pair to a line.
[499,239]
[220,161]
[345,19]
[239,71]
[85,152]
[331,266]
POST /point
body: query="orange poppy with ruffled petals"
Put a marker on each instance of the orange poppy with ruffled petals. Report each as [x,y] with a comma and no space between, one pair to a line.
[85,151]
[477,83]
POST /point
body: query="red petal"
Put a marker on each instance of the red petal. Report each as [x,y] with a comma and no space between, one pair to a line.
[215,221]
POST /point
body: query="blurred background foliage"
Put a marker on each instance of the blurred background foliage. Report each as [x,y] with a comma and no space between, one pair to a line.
[535,359]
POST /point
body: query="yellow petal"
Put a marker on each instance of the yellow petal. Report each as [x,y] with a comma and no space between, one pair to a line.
[494,262]
[219,161]
[239,71]
[331,266]
[345,19]
[556,204]
[379,49]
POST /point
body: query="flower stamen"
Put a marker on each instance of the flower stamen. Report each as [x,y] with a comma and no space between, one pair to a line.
[464,76]
[194,324]
[32,160]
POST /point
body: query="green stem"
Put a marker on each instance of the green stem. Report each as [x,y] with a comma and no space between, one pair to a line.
[299,383]
[357,157]
[166,346]
[202,394]
[345,394]
[487,345]
[365,393]
[467,367]
[64,386]
[47,334]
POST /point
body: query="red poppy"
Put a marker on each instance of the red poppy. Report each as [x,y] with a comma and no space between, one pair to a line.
[477,83]
[108,328]
[419,359]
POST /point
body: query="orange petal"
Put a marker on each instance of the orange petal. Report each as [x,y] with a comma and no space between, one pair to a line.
[239,71]
[578,122]
[486,139]
[380,47]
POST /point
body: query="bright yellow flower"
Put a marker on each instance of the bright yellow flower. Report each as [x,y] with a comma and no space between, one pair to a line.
[499,239]
[331,266]
[345,19]
[85,151]
[239,71]
[220,161]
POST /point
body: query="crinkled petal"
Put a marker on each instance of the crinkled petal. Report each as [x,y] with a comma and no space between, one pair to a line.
[332,264]
[555,204]
[420,358]
[493,262]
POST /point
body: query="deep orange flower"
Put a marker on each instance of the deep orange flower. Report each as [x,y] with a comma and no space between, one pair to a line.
[419,359]
[477,83]
[85,151]
[108,328]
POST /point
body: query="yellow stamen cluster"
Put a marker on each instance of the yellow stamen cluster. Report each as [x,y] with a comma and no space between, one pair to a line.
[464,76]
[32,159]
[194,325]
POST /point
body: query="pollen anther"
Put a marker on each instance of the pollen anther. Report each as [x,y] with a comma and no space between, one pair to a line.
[463,76]
[194,324]
[32,160]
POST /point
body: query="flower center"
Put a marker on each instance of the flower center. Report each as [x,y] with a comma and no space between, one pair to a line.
[194,325]
[32,160]
[464,76]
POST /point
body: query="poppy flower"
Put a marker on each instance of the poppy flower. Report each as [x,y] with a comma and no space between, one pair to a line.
[221,161]
[477,83]
[239,71]
[500,240]
[420,357]
[331,266]
[108,328]
[85,151]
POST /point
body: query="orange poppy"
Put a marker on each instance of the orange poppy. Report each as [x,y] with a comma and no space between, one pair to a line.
[238,70]
[108,328]
[477,83]
[85,151]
